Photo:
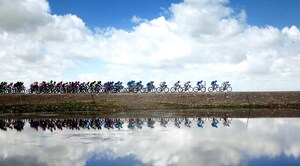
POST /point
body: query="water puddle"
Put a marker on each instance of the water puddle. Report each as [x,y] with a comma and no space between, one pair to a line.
[150,141]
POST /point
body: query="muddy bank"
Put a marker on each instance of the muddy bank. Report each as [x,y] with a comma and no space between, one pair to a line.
[165,103]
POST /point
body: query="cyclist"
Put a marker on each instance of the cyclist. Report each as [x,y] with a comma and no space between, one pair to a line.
[199,83]
[138,84]
[214,84]
[150,85]
[187,84]
[225,84]
[163,84]
[118,84]
[177,84]
[131,83]
[105,84]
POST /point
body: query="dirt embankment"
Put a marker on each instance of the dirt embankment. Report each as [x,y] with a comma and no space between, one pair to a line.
[194,103]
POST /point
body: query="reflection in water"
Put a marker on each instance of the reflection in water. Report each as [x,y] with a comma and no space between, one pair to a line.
[108,123]
[150,141]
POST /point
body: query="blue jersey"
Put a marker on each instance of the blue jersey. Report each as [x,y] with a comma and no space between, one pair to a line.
[213,82]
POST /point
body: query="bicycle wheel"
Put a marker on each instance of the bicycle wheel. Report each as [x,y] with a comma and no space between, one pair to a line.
[153,90]
[180,90]
[125,90]
[143,90]
[196,89]
[221,89]
[24,91]
[172,90]
[229,89]
[218,88]
[210,89]
[190,89]
[203,89]
[166,90]
[173,119]
[158,90]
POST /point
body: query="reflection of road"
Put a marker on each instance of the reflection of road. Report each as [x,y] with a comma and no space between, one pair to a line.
[108,123]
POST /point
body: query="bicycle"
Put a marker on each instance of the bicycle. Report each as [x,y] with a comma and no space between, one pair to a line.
[176,88]
[200,87]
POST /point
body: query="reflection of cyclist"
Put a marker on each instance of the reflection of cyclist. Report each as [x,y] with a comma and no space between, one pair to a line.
[226,122]
[200,122]
[118,124]
[150,123]
[163,122]
[187,122]
[131,124]
[139,123]
[177,123]
[215,123]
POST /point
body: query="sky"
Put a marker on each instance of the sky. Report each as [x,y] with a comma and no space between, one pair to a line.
[253,44]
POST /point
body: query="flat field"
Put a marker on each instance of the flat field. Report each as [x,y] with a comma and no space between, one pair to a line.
[234,104]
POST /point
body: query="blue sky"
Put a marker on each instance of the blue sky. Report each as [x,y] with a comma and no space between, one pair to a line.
[113,13]
[118,13]
[278,13]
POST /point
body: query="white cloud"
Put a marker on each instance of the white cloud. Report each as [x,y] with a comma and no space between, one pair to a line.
[201,40]
[25,15]
[136,19]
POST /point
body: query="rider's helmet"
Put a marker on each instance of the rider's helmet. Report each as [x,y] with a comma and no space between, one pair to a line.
[178,81]
[152,82]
